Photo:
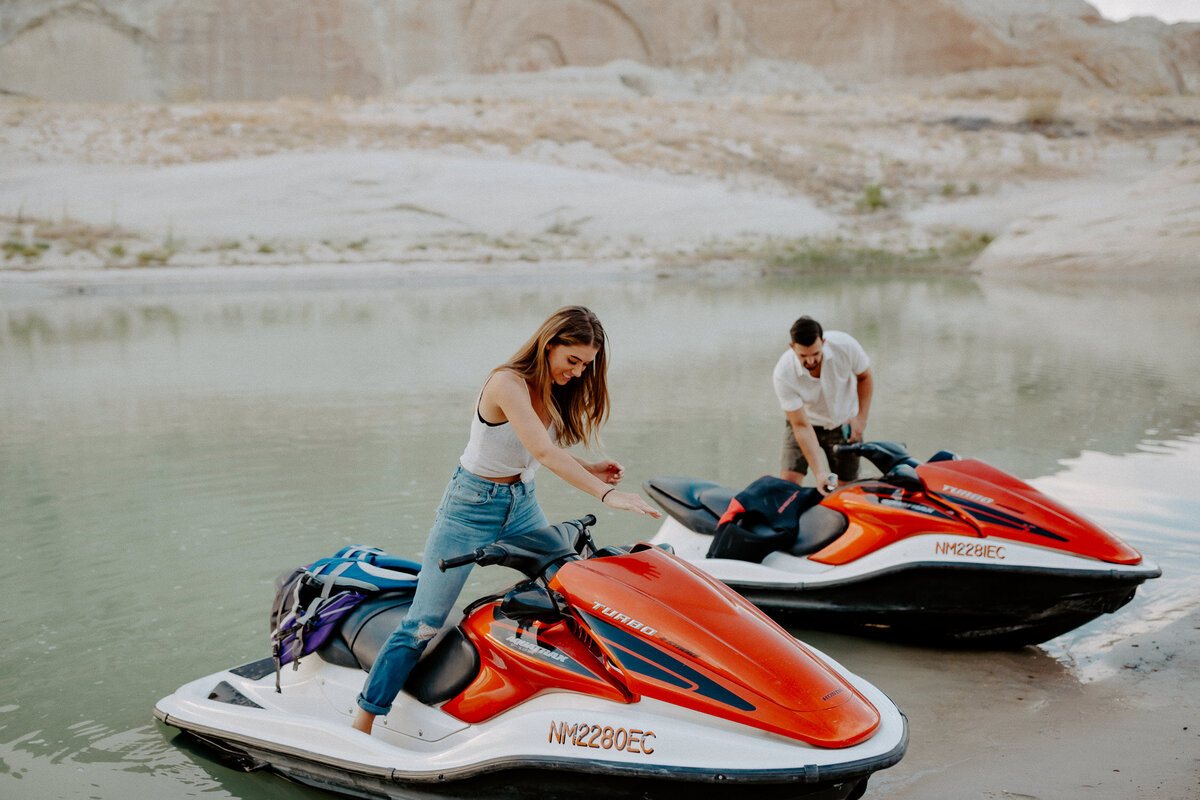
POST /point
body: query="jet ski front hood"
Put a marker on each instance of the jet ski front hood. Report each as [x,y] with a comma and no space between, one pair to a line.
[1003,506]
[675,634]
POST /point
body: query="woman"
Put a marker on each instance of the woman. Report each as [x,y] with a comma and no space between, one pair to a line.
[550,395]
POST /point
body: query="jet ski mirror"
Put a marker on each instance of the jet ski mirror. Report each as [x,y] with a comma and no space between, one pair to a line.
[530,601]
[886,456]
[905,476]
[540,552]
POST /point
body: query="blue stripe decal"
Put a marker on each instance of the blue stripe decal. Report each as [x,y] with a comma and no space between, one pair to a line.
[654,663]
[997,517]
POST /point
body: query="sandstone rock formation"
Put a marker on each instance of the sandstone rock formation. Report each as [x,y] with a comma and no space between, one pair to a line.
[1148,230]
[163,50]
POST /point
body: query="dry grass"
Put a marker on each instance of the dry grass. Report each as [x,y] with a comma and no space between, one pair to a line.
[27,241]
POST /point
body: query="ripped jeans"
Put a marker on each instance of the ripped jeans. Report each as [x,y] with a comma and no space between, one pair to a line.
[474,512]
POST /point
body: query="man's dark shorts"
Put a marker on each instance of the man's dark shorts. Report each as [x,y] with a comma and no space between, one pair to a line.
[845,466]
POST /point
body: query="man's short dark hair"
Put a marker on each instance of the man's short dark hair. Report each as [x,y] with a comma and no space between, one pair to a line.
[806,331]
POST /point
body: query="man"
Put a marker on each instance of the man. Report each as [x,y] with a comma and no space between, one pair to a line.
[824,386]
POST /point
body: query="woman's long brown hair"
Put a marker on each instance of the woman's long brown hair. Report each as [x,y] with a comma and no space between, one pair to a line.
[579,408]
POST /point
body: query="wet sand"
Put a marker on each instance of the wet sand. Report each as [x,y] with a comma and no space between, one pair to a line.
[1024,724]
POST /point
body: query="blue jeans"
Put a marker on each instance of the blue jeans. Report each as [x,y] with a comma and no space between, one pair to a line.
[474,512]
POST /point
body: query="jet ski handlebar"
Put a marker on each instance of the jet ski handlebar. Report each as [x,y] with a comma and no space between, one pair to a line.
[532,553]
[886,456]
[460,561]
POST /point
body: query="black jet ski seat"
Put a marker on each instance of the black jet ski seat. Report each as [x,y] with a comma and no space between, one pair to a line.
[818,526]
[449,662]
[765,517]
[756,526]
[697,504]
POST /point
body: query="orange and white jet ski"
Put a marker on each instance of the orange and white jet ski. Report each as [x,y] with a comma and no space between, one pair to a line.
[609,668]
[949,551]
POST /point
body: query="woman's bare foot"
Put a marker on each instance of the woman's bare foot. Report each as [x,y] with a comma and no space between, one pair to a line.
[363,721]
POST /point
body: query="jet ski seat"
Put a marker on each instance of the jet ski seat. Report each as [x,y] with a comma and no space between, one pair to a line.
[697,504]
[761,519]
[715,499]
[818,526]
[365,629]
[701,505]
[447,666]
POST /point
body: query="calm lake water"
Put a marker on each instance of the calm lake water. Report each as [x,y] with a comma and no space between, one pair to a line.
[164,456]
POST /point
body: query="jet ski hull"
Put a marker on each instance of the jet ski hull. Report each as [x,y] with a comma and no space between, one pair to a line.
[900,604]
[304,733]
[928,589]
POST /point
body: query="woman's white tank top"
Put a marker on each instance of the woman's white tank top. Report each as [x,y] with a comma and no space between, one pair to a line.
[495,451]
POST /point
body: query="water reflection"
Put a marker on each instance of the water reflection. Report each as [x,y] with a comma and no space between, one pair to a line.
[1148,496]
[163,457]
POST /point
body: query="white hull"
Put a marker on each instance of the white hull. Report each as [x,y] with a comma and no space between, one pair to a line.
[305,731]
[935,588]
[785,570]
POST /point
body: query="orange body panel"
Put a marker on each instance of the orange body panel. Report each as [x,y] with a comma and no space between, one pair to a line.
[874,525]
[964,498]
[1003,506]
[710,650]
[649,624]
[519,661]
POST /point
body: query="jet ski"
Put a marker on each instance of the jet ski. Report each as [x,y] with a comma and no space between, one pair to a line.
[604,668]
[951,551]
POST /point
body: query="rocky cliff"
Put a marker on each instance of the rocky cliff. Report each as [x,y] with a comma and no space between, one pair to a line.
[164,50]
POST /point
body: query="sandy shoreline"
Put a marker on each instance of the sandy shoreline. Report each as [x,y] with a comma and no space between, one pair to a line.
[457,187]
[1106,186]
[1023,725]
